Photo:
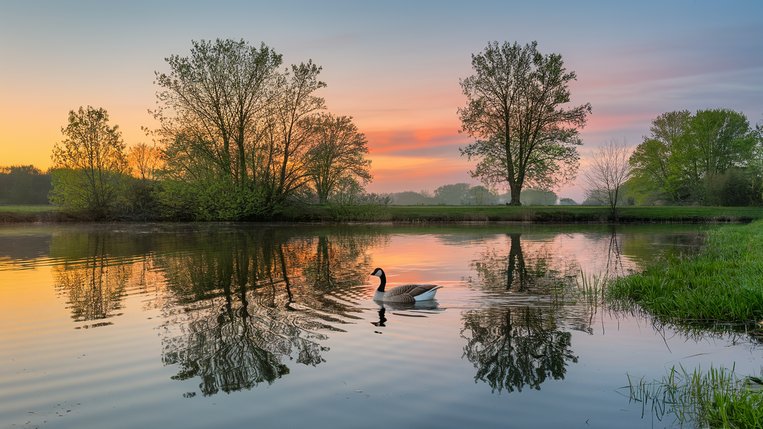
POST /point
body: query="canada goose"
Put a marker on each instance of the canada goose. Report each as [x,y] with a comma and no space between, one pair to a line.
[402,293]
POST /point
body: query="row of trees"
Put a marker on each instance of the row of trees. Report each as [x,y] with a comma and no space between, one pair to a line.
[711,157]
[23,184]
[465,194]
[242,137]
[239,136]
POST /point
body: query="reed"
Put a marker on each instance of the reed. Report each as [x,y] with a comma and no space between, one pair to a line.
[717,398]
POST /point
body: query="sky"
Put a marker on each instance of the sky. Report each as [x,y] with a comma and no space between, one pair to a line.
[394,66]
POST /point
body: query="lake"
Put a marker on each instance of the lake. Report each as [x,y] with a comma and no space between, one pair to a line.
[249,325]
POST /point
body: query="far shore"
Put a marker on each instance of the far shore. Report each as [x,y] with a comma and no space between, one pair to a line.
[437,214]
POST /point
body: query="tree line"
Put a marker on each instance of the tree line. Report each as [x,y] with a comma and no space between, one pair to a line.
[239,137]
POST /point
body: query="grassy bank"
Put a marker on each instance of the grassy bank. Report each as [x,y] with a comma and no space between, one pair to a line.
[721,285]
[416,214]
[537,214]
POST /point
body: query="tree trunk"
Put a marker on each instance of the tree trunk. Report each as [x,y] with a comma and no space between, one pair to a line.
[515,192]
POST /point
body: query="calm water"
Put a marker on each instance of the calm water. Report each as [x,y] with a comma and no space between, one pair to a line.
[196,326]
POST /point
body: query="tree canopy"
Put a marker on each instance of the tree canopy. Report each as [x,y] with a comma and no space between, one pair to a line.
[515,110]
[89,163]
[707,157]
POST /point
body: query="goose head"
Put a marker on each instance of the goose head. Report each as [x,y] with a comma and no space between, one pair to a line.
[380,273]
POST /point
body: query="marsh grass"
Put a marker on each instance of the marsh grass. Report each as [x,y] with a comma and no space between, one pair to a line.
[591,288]
[723,284]
[717,398]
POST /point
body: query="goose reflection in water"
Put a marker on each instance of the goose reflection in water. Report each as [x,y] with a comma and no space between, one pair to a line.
[406,309]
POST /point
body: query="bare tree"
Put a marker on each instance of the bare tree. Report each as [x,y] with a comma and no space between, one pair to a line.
[608,172]
[144,161]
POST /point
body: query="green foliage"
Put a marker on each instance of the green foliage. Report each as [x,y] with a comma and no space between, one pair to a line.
[717,398]
[723,284]
[90,164]
[698,158]
[537,197]
[514,110]
[24,184]
[454,194]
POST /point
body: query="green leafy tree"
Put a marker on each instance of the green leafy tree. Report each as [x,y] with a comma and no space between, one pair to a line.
[653,168]
[23,184]
[89,164]
[454,194]
[336,155]
[515,110]
[480,196]
[690,158]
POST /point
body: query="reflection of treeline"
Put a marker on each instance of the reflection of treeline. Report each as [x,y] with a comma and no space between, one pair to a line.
[246,305]
[240,302]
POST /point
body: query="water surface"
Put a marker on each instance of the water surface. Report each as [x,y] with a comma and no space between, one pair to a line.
[225,325]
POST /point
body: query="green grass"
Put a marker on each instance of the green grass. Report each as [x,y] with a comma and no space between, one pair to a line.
[28,209]
[721,285]
[444,214]
[716,398]
[538,214]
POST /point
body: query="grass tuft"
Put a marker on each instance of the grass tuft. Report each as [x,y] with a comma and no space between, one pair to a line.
[716,398]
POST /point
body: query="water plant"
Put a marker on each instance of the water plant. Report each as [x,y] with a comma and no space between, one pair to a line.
[717,398]
[723,284]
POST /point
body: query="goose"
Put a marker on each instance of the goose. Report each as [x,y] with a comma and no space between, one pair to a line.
[403,293]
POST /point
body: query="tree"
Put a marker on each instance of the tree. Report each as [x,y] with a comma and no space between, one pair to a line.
[23,184]
[687,157]
[608,172]
[652,160]
[145,161]
[716,141]
[211,107]
[89,163]
[211,99]
[480,196]
[514,110]
[336,154]
[454,194]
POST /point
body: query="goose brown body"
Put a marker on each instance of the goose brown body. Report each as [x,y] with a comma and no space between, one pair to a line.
[409,293]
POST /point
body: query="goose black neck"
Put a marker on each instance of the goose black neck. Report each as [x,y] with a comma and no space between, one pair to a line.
[383,278]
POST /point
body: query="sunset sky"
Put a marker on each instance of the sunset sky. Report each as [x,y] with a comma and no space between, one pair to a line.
[392,65]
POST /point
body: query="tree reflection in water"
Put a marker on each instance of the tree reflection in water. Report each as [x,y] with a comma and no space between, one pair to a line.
[253,300]
[94,285]
[513,344]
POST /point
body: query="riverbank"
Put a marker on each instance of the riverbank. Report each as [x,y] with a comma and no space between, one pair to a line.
[452,214]
[722,285]
[720,288]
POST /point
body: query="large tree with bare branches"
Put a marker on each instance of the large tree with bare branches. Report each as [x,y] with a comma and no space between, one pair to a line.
[515,110]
